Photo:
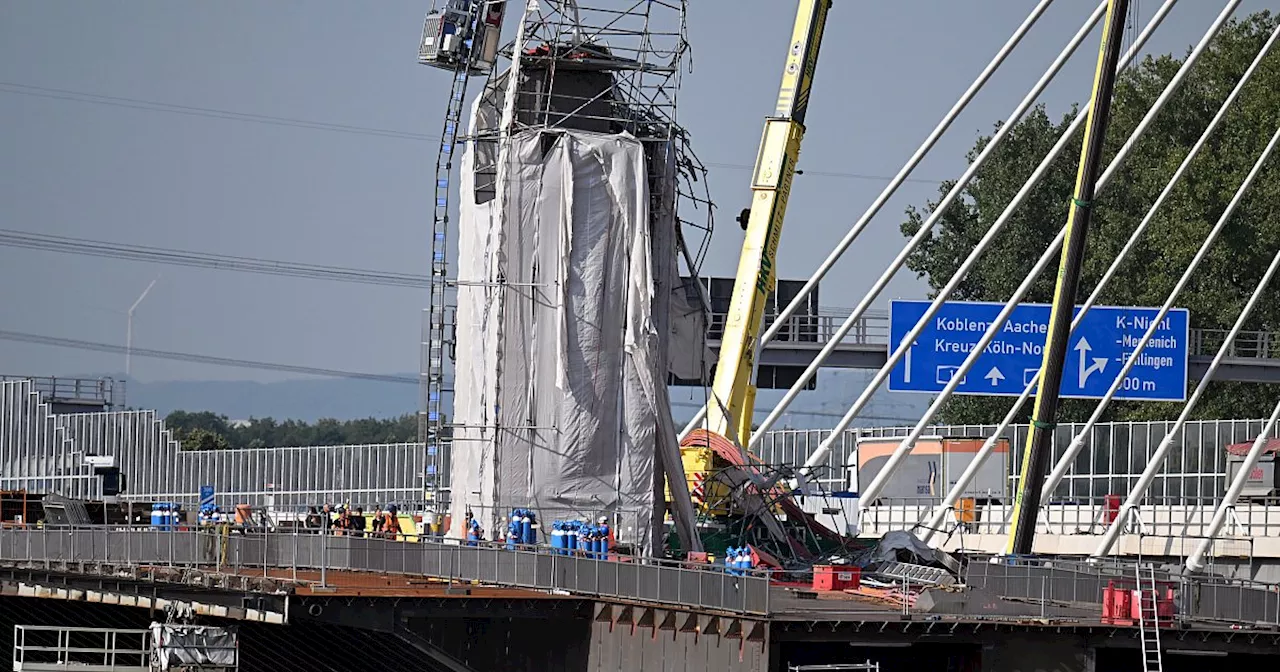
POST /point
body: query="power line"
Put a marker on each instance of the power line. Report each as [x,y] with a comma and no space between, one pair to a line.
[816,414]
[76,344]
[92,346]
[97,248]
[207,112]
[232,115]
[828,173]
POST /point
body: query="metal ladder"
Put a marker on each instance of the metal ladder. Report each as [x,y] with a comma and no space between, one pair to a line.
[438,341]
[917,574]
[1149,620]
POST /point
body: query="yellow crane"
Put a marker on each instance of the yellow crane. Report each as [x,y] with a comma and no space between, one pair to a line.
[721,443]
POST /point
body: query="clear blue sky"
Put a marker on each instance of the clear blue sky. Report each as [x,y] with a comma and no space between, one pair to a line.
[889,72]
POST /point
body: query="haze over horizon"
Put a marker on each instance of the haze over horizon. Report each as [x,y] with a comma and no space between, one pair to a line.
[126,137]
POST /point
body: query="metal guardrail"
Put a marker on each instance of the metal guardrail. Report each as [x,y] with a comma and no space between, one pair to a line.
[1159,516]
[1197,599]
[105,391]
[537,569]
[872,329]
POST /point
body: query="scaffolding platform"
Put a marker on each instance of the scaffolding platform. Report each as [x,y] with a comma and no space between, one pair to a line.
[39,648]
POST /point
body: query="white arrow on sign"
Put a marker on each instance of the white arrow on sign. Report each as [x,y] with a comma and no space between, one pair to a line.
[994,376]
[906,370]
[1099,363]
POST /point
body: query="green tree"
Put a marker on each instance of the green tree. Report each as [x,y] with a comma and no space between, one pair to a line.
[183,422]
[1223,281]
[204,430]
[203,439]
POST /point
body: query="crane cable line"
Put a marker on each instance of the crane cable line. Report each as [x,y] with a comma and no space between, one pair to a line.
[97,248]
[231,115]
[77,344]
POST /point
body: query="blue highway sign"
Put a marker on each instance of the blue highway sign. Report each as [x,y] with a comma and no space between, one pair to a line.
[1096,352]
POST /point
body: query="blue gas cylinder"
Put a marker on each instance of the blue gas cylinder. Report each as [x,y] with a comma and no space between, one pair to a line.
[604,539]
[526,529]
[571,535]
[532,539]
[513,530]
[164,516]
[557,537]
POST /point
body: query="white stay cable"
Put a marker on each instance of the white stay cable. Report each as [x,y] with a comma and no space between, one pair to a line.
[925,229]
[1156,462]
[940,512]
[1195,562]
[895,183]
[904,448]
[988,446]
[824,448]
[1077,442]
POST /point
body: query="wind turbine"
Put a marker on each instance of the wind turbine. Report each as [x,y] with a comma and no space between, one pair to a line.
[128,338]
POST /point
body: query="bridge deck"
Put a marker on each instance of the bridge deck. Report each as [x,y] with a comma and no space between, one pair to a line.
[370,567]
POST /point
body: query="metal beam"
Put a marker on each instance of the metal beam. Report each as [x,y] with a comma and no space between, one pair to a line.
[874,356]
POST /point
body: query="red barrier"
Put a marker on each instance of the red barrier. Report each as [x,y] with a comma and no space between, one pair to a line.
[828,577]
[1111,508]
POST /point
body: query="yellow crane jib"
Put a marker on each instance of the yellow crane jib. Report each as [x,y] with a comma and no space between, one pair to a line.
[729,412]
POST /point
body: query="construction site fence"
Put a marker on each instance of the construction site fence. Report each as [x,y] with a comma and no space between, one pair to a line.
[218,549]
[1114,455]
[1156,516]
[1197,598]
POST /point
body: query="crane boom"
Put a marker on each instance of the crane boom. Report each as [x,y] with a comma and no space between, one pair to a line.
[729,412]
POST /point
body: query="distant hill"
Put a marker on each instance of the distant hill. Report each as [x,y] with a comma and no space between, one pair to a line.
[312,399]
[307,400]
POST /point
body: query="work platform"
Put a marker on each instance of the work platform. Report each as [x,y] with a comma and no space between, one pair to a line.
[609,610]
[1255,355]
[314,564]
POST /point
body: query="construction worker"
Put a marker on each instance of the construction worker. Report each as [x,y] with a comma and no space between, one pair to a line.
[357,522]
[475,533]
[326,519]
[391,526]
[607,531]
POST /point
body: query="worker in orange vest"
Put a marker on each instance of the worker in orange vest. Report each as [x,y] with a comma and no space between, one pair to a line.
[391,526]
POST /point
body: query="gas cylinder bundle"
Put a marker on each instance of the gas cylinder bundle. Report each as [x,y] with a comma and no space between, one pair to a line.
[522,529]
[737,560]
[574,537]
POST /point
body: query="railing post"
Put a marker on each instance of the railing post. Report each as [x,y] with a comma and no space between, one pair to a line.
[1044,596]
[324,560]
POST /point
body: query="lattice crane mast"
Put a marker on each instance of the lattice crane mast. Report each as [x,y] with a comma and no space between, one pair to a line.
[461,37]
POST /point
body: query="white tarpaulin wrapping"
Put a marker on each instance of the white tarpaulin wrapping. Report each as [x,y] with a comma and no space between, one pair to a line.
[547,293]
[193,646]
[569,305]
